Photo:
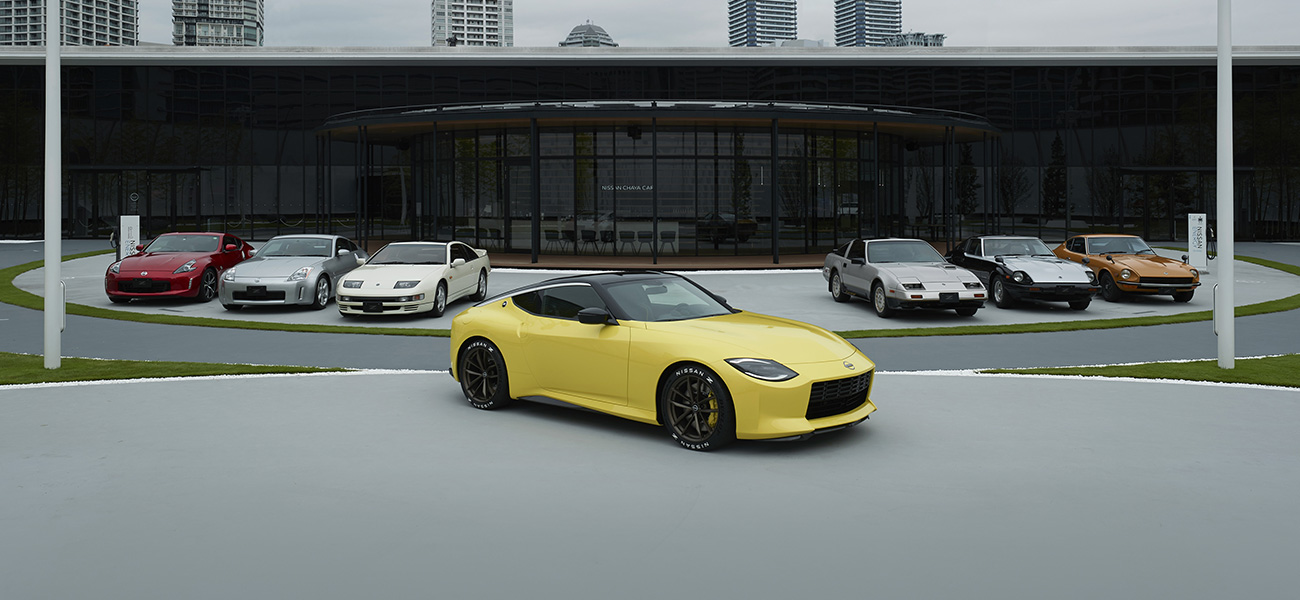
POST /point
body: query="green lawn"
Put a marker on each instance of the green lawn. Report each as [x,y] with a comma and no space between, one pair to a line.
[1274,370]
[28,368]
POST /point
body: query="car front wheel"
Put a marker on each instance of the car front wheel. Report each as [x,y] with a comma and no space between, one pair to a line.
[1000,295]
[207,286]
[880,302]
[322,293]
[483,376]
[696,409]
[1109,289]
[481,292]
[439,300]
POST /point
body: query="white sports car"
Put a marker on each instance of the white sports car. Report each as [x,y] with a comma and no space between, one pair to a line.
[412,277]
[901,274]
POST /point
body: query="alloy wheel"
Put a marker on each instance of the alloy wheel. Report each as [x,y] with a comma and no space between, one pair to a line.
[694,409]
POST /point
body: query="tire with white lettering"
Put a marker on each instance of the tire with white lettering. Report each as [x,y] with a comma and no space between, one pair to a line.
[483,376]
[696,409]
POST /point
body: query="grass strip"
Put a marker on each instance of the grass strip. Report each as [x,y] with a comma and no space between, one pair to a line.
[30,368]
[12,295]
[1272,370]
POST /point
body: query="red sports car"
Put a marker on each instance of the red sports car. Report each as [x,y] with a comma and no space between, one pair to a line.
[175,265]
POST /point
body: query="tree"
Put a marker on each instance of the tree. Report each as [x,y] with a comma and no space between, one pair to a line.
[967,183]
[1054,185]
[1106,185]
[1012,185]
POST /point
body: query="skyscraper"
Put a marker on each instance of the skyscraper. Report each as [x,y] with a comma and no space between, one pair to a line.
[473,23]
[867,22]
[761,22]
[588,34]
[218,23]
[85,23]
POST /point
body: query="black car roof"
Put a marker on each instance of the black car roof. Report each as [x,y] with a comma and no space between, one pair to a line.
[602,278]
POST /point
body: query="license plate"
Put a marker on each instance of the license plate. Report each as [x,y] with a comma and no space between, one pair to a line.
[372,306]
[256,290]
[948,297]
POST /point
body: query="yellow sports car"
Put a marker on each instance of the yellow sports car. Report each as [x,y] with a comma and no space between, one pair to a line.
[658,348]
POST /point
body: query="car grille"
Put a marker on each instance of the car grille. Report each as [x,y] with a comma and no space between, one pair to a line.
[373,299]
[838,396]
[1187,280]
[144,286]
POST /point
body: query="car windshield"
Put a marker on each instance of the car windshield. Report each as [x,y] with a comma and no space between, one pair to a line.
[1118,245]
[296,247]
[909,251]
[666,299]
[184,243]
[410,254]
[1016,247]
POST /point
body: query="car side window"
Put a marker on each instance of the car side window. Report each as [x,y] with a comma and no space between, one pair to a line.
[229,240]
[564,302]
[855,250]
[464,252]
[531,302]
[973,247]
[1075,245]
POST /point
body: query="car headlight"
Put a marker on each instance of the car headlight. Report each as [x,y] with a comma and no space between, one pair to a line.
[300,274]
[1126,274]
[1092,277]
[115,268]
[973,285]
[229,276]
[1195,273]
[913,286]
[1021,277]
[762,368]
[352,284]
[405,285]
[186,268]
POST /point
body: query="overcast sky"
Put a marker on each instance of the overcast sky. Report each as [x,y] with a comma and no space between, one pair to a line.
[663,23]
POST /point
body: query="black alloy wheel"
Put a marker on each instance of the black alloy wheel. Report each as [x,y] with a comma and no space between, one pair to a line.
[696,409]
[483,376]
[207,286]
[1109,289]
[837,288]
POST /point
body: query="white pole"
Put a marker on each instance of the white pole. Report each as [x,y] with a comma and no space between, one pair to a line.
[53,189]
[1224,300]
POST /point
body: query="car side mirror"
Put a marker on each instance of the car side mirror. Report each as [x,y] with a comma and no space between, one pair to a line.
[139,247]
[1000,260]
[252,252]
[593,316]
[343,251]
[230,247]
[1086,260]
[857,261]
[1185,257]
[458,263]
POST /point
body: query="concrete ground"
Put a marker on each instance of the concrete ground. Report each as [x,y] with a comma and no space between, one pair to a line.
[388,485]
[798,294]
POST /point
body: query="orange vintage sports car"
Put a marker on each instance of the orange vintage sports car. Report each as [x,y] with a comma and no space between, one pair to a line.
[1125,264]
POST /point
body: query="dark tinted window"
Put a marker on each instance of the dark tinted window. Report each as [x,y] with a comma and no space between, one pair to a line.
[531,302]
[856,250]
[565,302]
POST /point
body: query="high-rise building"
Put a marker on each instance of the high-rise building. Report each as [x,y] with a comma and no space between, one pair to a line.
[85,23]
[218,23]
[867,22]
[588,34]
[473,23]
[761,22]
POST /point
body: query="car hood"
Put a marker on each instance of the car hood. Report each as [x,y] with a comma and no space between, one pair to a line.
[752,335]
[1147,265]
[1045,269]
[930,272]
[384,276]
[275,266]
[159,262]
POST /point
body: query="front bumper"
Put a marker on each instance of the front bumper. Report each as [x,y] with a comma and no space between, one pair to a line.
[1051,291]
[259,291]
[176,286]
[356,304]
[937,299]
[1143,287]
[824,397]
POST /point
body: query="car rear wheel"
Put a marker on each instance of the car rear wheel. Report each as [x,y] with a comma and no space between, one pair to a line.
[483,376]
[837,288]
[1000,295]
[1109,289]
[880,302]
[1184,296]
[322,293]
[207,286]
[481,292]
[696,409]
[440,300]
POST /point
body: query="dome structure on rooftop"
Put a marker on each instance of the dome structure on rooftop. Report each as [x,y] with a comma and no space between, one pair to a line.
[588,34]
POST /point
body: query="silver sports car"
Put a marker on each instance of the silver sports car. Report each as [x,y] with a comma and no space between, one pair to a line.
[901,274]
[290,269]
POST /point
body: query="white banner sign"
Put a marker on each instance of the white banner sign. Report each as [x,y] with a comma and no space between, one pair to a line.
[1198,236]
[128,235]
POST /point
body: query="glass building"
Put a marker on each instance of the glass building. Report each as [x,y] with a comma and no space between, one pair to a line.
[218,22]
[650,152]
[761,22]
[85,22]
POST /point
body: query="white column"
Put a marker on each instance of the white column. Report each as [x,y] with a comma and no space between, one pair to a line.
[1224,305]
[53,189]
